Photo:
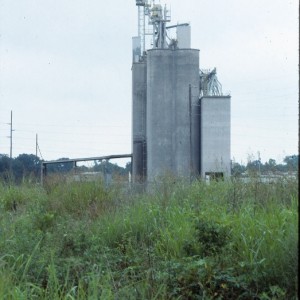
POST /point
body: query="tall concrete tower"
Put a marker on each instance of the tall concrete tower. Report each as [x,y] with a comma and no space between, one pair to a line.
[139,96]
[215,136]
[172,98]
[215,132]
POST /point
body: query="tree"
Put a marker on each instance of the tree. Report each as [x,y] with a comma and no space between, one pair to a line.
[270,166]
[109,168]
[291,162]
[4,163]
[128,168]
[30,163]
[25,165]
[237,169]
[254,166]
[62,167]
[4,166]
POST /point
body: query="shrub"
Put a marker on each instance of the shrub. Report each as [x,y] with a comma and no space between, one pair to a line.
[212,236]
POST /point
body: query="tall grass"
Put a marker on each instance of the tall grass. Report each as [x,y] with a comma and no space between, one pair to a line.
[225,240]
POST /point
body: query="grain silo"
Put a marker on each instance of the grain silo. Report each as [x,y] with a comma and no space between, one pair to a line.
[180,120]
[215,136]
[214,127]
[139,89]
[172,95]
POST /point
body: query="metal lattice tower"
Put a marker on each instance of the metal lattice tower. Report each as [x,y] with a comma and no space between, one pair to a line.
[157,17]
[141,4]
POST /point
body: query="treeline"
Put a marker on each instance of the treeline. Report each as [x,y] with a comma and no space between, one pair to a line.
[290,164]
[15,169]
[29,165]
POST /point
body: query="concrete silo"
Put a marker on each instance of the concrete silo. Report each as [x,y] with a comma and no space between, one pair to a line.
[139,90]
[165,90]
[215,131]
[215,136]
[172,130]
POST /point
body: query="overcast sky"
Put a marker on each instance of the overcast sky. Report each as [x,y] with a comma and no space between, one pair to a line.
[65,72]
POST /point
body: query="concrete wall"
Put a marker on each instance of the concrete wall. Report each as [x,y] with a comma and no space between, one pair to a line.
[172,141]
[136,48]
[215,135]
[184,37]
[139,93]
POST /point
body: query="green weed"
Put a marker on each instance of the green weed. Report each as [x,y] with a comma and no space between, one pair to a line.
[182,240]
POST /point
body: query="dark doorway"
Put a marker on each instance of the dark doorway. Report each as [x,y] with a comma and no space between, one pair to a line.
[218,176]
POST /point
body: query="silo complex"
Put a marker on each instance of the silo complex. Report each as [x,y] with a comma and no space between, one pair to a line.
[180,118]
[172,140]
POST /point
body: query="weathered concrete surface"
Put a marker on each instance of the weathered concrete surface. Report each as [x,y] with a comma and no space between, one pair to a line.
[215,135]
[139,98]
[172,140]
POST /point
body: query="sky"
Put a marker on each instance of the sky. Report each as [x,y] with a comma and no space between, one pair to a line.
[65,73]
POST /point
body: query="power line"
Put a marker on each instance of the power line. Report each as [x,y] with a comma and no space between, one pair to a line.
[38,147]
[70,125]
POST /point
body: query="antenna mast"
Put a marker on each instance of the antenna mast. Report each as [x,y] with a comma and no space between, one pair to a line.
[157,17]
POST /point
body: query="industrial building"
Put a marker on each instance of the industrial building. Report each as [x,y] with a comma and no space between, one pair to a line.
[180,118]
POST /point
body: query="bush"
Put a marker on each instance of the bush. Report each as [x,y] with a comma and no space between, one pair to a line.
[212,236]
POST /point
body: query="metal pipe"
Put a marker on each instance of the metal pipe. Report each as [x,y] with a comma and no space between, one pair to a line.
[178,25]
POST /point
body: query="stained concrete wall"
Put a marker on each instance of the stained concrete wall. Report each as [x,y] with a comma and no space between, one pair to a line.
[184,37]
[172,140]
[215,135]
[139,94]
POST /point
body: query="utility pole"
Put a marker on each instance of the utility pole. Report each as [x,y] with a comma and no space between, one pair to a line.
[10,152]
[11,130]
[190,120]
[259,160]
[36,145]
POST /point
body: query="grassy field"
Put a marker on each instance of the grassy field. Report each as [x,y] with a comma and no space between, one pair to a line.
[225,240]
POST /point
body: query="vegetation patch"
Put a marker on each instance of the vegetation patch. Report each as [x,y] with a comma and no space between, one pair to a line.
[85,240]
